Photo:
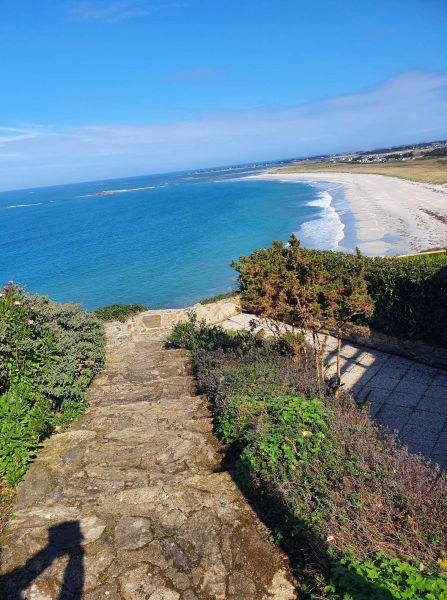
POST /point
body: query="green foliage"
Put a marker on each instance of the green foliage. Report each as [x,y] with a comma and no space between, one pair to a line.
[293,344]
[281,438]
[384,578]
[48,356]
[24,421]
[286,284]
[194,334]
[119,312]
[410,297]
[335,487]
[408,294]
[237,416]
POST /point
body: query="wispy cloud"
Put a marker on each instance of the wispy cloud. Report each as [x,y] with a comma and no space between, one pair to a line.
[116,11]
[17,134]
[408,108]
[199,75]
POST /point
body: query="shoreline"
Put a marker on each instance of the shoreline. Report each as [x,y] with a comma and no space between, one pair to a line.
[339,205]
[391,216]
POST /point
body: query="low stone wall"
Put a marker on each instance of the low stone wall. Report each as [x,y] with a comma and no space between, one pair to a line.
[223,310]
[213,313]
[433,356]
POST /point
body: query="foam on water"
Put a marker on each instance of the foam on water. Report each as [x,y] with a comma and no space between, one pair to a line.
[168,243]
[327,230]
[24,205]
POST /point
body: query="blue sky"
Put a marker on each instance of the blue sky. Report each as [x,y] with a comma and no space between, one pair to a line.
[95,89]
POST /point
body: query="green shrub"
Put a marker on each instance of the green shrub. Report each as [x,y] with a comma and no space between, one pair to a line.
[119,312]
[48,355]
[383,578]
[410,297]
[194,334]
[336,490]
[281,437]
[408,294]
[24,421]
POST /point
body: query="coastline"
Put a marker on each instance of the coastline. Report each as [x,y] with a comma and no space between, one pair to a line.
[337,209]
[391,215]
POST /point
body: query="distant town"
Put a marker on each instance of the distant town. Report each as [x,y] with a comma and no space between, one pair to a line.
[385,155]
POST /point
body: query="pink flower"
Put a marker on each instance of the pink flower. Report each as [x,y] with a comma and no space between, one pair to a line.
[30,322]
[10,282]
[16,303]
[1,295]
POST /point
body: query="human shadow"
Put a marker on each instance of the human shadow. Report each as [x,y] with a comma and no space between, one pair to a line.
[63,540]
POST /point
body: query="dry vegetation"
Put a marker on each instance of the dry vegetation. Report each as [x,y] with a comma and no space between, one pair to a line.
[432,170]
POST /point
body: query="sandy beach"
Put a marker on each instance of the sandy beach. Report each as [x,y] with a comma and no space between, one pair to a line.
[392,216]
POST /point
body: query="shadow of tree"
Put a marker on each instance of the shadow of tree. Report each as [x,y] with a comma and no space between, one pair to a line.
[63,540]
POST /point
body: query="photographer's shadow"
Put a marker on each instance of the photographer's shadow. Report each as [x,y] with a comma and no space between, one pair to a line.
[64,539]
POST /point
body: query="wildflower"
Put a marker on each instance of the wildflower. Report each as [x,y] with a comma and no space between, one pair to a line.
[10,282]
[442,562]
[16,303]
[30,322]
[330,538]
[1,295]
[306,433]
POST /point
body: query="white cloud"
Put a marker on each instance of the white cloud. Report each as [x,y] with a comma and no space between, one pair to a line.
[16,134]
[408,108]
[108,11]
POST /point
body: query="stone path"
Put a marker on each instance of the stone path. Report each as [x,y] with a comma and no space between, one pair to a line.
[131,502]
[404,395]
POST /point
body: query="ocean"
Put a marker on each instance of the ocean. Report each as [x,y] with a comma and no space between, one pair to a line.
[160,240]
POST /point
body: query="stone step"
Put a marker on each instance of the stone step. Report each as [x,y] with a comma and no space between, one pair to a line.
[131,502]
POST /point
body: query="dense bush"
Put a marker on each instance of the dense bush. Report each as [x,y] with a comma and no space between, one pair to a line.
[409,294]
[287,284]
[194,334]
[119,312]
[48,355]
[256,369]
[368,519]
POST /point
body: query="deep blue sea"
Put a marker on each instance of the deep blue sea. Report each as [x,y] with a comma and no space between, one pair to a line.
[160,240]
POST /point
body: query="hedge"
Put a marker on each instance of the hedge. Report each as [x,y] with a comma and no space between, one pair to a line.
[409,294]
[49,353]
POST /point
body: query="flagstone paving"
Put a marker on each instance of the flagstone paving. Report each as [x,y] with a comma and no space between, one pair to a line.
[406,396]
[132,503]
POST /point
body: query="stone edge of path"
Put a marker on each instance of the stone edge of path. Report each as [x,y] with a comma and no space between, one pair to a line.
[223,310]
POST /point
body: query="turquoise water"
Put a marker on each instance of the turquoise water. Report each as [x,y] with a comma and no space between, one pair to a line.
[160,240]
